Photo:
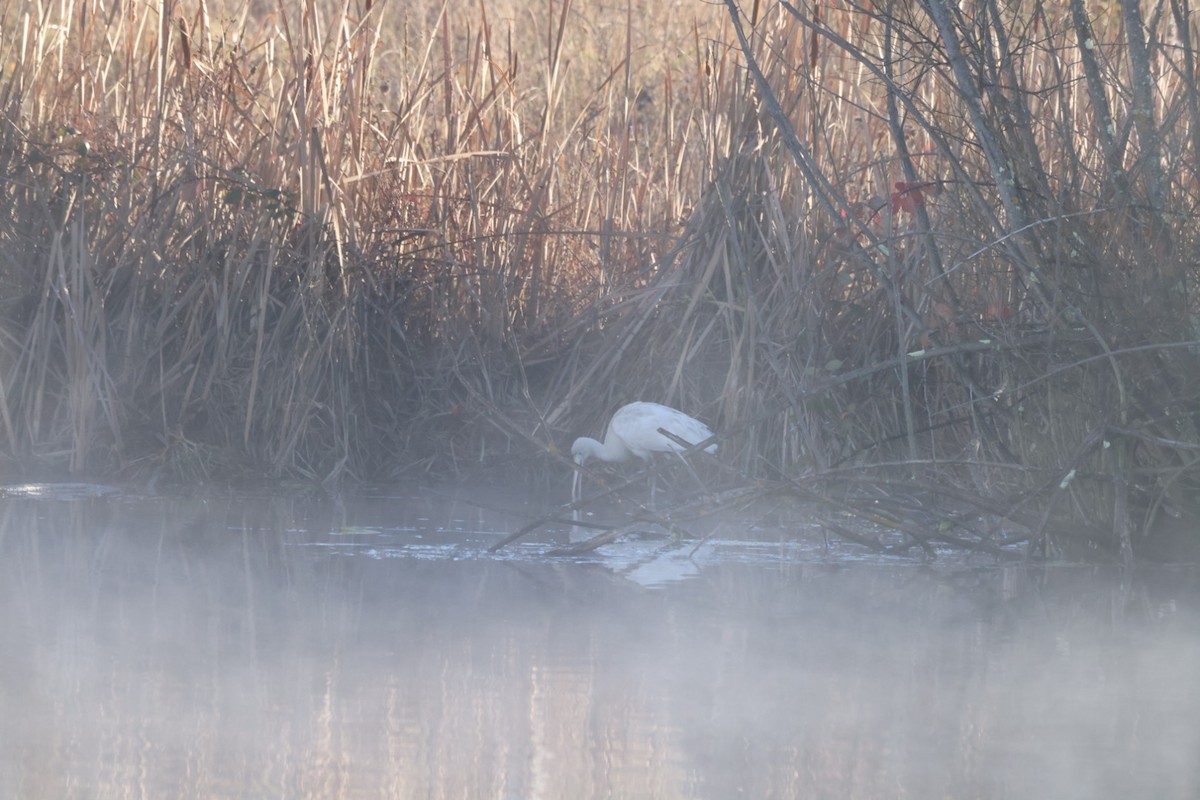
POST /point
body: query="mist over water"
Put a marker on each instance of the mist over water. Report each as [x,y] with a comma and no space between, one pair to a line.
[233,646]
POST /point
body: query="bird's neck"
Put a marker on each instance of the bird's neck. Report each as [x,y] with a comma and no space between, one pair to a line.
[612,449]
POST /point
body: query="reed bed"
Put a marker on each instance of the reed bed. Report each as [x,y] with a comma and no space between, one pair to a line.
[878,245]
[311,241]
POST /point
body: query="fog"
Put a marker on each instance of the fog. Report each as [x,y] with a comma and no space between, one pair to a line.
[238,646]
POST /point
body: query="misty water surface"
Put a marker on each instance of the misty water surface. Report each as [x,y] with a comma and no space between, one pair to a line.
[234,646]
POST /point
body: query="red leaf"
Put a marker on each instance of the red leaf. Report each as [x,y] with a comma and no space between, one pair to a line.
[906,198]
[998,312]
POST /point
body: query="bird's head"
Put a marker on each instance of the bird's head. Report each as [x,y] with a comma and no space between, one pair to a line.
[580,451]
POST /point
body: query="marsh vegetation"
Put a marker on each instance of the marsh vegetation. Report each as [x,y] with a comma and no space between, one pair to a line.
[885,249]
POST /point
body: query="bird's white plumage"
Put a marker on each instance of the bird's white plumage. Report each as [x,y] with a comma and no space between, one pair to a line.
[633,431]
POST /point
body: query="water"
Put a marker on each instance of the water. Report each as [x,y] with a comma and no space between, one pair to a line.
[235,647]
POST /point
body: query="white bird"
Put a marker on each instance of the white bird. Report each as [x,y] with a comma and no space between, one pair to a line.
[633,431]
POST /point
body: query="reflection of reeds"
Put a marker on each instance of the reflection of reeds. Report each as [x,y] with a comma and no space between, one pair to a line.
[346,242]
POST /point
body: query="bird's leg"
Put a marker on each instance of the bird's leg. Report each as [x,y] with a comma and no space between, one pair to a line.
[576,496]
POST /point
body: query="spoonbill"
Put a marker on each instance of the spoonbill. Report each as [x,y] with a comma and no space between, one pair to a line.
[633,431]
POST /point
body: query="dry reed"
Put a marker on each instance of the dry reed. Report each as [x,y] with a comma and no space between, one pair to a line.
[356,240]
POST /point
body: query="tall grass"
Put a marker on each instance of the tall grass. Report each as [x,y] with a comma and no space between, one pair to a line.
[357,240]
[959,242]
[318,240]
